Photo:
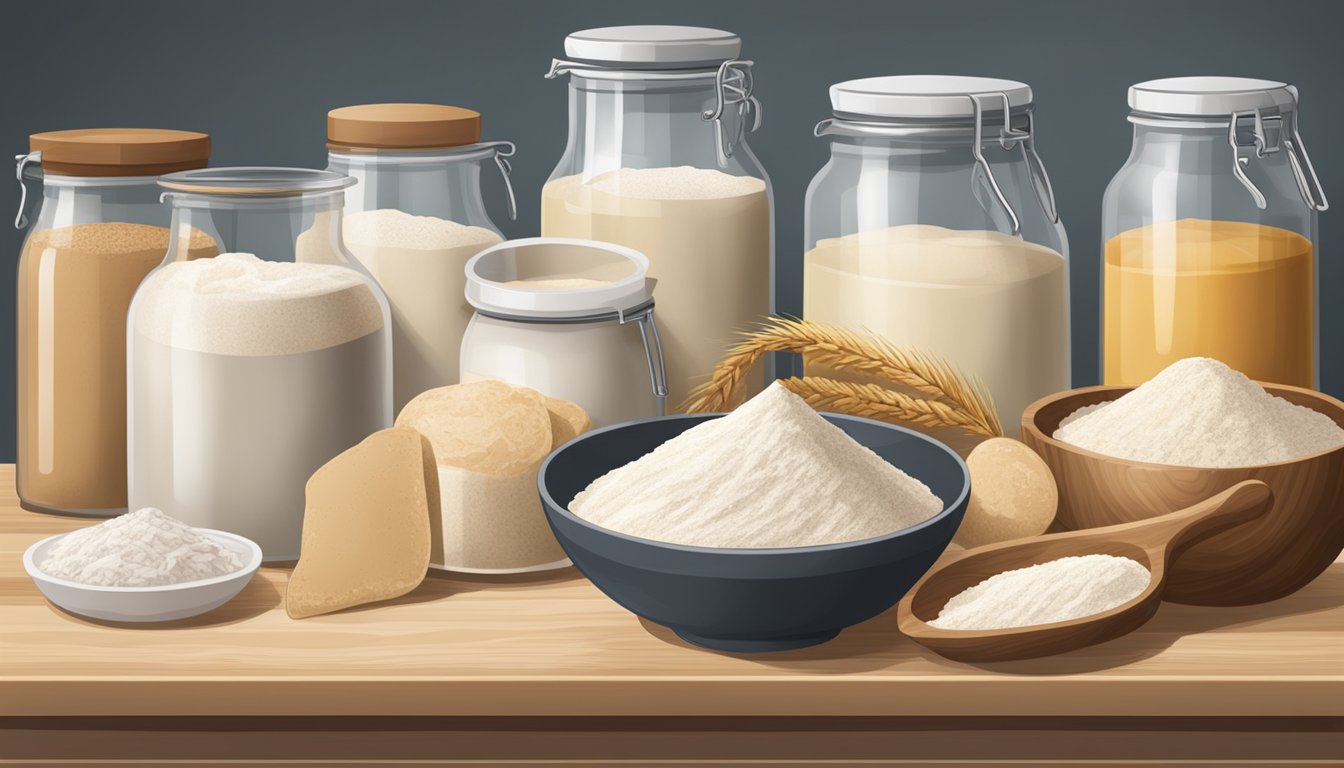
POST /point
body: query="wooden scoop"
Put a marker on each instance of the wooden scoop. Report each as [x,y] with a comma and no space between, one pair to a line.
[1153,543]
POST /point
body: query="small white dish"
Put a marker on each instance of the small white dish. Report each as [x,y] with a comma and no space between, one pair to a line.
[145,604]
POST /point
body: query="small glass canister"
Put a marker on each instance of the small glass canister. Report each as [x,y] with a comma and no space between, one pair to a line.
[98,231]
[250,370]
[572,319]
[413,218]
[1209,234]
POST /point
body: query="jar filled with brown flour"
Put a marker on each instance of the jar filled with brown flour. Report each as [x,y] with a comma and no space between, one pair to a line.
[98,230]
[413,218]
[657,161]
[251,369]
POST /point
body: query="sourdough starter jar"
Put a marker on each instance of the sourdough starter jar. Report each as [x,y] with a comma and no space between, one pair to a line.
[934,226]
[251,369]
[572,319]
[657,160]
[1209,234]
[98,231]
[413,218]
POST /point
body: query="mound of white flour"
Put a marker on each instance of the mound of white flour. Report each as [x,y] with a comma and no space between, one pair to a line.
[140,549]
[1200,413]
[772,473]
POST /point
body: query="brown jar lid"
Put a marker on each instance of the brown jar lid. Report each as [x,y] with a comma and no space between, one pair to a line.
[402,126]
[120,151]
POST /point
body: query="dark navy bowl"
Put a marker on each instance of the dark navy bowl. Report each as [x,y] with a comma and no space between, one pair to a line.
[748,600]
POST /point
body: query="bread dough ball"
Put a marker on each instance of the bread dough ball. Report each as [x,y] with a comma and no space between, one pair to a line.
[1013,494]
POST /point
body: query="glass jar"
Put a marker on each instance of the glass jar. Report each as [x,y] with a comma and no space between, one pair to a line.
[657,161]
[572,319]
[250,370]
[1209,234]
[934,226]
[98,231]
[413,218]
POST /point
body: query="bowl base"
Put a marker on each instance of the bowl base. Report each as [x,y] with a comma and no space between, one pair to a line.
[762,645]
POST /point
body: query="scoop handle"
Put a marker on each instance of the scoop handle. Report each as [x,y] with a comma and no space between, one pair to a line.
[1242,503]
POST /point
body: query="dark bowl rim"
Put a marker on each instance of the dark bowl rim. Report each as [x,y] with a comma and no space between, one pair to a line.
[1032,411]
[550,505]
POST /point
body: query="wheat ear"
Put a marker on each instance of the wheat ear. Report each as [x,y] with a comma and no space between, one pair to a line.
[877,402]
[843,350]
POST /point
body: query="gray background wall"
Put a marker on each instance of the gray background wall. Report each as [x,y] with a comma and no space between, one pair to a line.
[259,75]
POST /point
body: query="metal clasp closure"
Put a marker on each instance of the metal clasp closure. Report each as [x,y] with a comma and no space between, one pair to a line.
[1268,135]
[503,150]
[22,162]
[733,84]
[1008,138]
[653,352]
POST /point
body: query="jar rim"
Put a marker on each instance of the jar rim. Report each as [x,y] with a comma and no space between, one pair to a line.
[255,181]
[630,293]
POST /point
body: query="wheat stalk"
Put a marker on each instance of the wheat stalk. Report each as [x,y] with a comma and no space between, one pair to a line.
[877,402]
[845,351]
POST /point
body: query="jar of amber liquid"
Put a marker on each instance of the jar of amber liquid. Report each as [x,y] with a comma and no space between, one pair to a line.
[1209,233]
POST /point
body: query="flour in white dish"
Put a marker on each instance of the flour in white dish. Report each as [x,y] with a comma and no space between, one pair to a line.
[139,549]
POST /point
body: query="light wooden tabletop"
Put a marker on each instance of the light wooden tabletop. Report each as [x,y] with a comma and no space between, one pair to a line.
[556,646]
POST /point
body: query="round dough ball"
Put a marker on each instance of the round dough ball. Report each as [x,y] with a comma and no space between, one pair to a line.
[1013,494]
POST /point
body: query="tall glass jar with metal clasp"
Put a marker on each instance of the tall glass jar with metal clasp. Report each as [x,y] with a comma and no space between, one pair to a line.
[251,369]
[1209,234]
[657,160]
[934,226]
[98,231]
[413,218]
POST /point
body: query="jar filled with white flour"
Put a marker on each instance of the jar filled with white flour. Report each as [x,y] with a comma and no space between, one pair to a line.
[413,217]
[571,319]
[251,369]
[657,160]
[934,225]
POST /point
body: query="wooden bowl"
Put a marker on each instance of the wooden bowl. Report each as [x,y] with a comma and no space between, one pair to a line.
[1259,561]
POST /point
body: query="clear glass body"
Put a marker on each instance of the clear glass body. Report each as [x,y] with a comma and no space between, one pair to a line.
[904,237]
[90,244]
[1193,267]
[600,365]
[419,262]
[247,374]
[641,169]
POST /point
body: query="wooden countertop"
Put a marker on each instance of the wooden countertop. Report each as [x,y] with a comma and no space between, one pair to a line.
[556,646]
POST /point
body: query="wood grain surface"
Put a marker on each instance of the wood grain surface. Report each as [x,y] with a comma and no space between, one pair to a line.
[554,646]
[1263,560]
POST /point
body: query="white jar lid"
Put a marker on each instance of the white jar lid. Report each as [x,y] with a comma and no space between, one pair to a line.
[924,96]
[654,46]
[573,279]
[1210,96]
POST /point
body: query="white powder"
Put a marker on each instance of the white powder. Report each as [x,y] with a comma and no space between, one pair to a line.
[772,473]
[140,549]
[391,228]
[680,183]
[238,304]
[1059,590]
[1201,413]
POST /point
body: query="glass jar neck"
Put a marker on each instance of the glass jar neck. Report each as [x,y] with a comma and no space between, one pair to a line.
[300,227]
[653,122]
[70,200]
[445,184]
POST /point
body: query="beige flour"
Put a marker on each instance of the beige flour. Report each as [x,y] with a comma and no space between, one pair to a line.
[1058,590]
[247,375]
[420,263]
[993,305]
[1200,413]
[772,473]
[489,439]
[74,287]
[707,237]
[557,284]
